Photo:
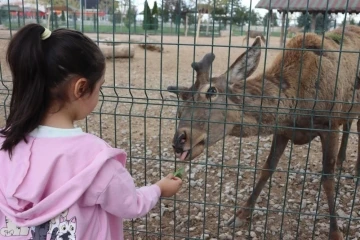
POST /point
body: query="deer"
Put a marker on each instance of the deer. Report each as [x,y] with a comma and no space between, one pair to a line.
[274,103]
[294,30]
[254,34]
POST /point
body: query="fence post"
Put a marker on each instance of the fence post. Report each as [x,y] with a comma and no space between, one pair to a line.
[56,20]
[18,16]
[94,15]
[74,18]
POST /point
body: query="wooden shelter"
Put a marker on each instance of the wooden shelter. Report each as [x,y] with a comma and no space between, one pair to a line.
[312,7]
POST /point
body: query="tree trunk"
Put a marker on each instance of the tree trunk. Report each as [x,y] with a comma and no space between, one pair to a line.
[198,27]
[282,35]
[120,51]
[186,25]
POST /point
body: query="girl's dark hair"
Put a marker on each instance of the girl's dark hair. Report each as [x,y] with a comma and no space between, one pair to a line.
[41,70]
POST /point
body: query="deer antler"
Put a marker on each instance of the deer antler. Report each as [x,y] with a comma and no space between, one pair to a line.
[202,69]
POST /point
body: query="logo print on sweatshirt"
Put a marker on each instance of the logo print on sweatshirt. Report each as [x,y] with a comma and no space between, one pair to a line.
[12,230]
[58,228]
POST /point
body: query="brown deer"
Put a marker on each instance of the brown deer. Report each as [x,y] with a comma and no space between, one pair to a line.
[274,103]
[253,34]
[346,128]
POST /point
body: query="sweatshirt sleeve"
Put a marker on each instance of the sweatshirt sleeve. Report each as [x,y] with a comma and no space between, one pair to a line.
[121,198]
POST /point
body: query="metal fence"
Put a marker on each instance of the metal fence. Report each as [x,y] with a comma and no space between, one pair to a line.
[242,118]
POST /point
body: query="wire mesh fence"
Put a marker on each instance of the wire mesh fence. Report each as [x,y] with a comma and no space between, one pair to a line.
[287,99]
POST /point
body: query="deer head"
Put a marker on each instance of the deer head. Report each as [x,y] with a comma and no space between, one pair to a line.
[205,113]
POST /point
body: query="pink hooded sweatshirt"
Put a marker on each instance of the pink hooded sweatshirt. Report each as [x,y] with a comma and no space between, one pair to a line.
[67,184]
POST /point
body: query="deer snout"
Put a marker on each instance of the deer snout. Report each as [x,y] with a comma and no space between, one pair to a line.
[179,141]
[188,143]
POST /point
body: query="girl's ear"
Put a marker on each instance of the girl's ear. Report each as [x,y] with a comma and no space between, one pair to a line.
[80,87]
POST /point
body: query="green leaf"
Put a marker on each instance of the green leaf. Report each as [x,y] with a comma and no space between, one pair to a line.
[179,173]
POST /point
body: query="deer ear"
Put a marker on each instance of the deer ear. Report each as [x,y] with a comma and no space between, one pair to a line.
[246,64]
[182,92]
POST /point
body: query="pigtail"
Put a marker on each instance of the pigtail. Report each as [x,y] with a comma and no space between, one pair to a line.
[26,59]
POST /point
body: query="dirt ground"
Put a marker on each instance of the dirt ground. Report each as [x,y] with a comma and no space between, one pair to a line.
[138,115]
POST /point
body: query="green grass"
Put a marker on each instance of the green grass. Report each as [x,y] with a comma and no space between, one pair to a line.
[135,29]
[336,37]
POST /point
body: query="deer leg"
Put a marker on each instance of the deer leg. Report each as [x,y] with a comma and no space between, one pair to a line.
[329,142]
[277,149]
[357,166]
[344,140]
[243,41]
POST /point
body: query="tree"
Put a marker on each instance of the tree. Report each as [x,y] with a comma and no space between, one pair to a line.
[94,19]
[56,20]
[229,12]
[116,17]
[4,14]
[322,22]
[147,22]
[48,3]
[176,14]
[226,5]
[155,14]
[274,19]
[254,17]
[155,9]
[240,16]
[62,16]
[304,20]
[109,6]
[130,17]
[165,13]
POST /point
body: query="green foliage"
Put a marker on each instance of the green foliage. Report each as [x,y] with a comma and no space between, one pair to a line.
[108,6]
[179,173]
[174,10]
[94,19]
[334,36]
[254,17]
[116,17]
[4,14]
[55,17]
[274,19]
[322,22]
[240,14]
[165,13]
[155,20]
[352,21]
[62,16]
[176,13]
[191,19]
[147,22]
[155,10]
[130,17]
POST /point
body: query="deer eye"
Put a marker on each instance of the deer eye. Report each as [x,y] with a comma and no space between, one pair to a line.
[211,92]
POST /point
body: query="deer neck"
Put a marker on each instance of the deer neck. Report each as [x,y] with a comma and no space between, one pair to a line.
[259,107]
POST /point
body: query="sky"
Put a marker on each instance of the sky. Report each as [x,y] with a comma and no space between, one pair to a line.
[140,4]
[247,3]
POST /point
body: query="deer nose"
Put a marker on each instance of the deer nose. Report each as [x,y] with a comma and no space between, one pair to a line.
[179,141]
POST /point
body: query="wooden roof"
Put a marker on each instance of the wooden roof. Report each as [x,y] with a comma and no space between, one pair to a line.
[311,6]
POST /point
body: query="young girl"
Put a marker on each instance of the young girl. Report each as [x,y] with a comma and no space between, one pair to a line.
[57,182]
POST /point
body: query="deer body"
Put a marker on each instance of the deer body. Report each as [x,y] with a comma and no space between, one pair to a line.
[253,34]
[296,99]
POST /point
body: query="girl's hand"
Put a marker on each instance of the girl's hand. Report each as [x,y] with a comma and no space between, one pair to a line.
[169,185]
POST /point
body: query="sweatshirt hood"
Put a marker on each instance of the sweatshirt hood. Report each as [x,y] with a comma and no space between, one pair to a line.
[25,207]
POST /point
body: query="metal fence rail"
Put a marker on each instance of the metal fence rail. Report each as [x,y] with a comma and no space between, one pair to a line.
[136,112]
